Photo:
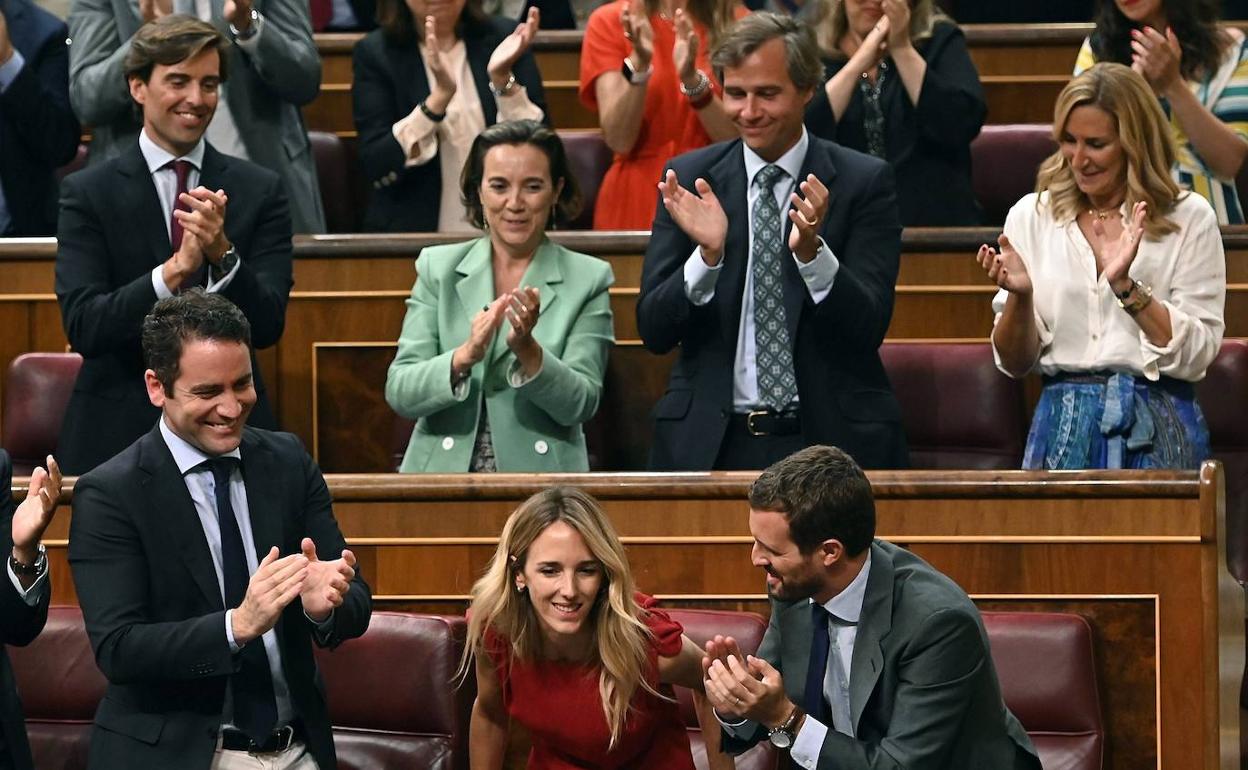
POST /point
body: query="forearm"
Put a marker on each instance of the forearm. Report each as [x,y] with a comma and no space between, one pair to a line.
[911,68]
[716,122]
[487,738]
[1222,150]
[620,111]
[840,88]
[1015,335]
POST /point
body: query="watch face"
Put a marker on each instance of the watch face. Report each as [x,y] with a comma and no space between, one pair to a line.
[780,739]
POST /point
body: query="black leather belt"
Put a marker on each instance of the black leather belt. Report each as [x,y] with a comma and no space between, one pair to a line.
[278,740]
[765,422]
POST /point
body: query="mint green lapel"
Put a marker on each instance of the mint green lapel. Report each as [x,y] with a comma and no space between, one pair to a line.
[545,274]
[475,286]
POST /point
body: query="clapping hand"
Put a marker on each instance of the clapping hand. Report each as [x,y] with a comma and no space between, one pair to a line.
[480,335]
[34,515]
[806,214]
[637,30]
[512,48]
[896,23]
[327,582]
[1005,268]
[874,47]
[203,224]
[700,215]
[1114,257]
[1157,57]
[444,85]
[685,49]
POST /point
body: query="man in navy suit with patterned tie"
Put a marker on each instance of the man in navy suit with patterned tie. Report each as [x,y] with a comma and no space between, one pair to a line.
[168,213]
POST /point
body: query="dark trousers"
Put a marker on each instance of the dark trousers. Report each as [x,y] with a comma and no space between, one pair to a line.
[741,451]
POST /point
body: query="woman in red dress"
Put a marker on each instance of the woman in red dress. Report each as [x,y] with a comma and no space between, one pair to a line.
[566,647]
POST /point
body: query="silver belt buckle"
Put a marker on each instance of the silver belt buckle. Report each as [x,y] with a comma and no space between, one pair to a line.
[749,422]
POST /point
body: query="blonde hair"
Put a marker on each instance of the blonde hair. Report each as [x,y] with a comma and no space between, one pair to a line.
[831,22]
[621,637]
[716,15]
[1143,134]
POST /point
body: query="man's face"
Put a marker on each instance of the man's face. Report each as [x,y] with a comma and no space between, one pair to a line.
[211,397]
[178,100]
[762,101]
[791,575]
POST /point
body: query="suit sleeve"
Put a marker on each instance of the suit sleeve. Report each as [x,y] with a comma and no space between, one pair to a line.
[110,574]
[951,108]
[419,380]
[261,287]
[351,618]
[936,676]
[376,108]
[19,622]
[97,81]
[664,312]
[98,317]
[568,388]
[37,104]
[856,313]
[285,57]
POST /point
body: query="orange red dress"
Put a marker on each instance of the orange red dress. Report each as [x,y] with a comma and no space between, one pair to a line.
[559,705]
[669,126]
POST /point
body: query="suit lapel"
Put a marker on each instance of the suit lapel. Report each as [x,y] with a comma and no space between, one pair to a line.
[544,274]
[796,653]
[874,625]
[818,163]
[171,506]
[139,195]
[478,48]
[727,179]
[475,287]
[262,478]
[409,68]
[215,171]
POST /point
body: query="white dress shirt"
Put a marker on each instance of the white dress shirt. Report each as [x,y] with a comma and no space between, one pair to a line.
[166,181]
[818,274]
[1081,326]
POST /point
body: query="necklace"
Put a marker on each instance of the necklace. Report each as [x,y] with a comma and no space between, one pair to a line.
[1104,214]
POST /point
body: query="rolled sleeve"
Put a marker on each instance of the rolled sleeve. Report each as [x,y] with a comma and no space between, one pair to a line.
[417,135]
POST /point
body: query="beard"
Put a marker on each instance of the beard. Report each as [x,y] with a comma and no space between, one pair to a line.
[794,587]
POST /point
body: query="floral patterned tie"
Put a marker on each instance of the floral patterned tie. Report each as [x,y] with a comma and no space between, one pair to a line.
[777,384]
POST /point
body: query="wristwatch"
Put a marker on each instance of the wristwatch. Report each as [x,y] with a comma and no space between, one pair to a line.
[1143,297]
[782,737]
[633,76]
[38,568]
[251,30]
[228,260]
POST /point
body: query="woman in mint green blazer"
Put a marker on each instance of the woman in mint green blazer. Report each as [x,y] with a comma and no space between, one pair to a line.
[505,341]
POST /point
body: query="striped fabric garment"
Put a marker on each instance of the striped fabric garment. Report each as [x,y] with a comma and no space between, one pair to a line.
[1225,94]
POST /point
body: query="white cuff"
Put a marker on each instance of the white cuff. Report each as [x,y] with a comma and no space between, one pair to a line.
[417,136]
[216,286]
[808,743]
[229,631]
[516,377]
[820,272]
[158,282]
[30,595]
[700,278]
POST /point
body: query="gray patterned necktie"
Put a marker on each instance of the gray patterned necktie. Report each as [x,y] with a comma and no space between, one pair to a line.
[777,384]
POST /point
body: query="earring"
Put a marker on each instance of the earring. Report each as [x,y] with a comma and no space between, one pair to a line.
[520,589]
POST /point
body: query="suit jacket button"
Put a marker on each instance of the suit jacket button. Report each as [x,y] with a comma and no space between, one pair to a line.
[541,447]
[448,443]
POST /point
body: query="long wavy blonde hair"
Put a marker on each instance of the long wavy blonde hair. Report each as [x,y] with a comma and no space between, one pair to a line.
[1143,133]
[621,638]
[831,22]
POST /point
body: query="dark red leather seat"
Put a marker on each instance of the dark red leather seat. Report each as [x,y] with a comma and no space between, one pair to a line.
[958,411]
[341,190]
[60,687]
[393,697]
[1222,396]
[1048,679]
[1004,161]
[747,628]
[590,157]
[35,398]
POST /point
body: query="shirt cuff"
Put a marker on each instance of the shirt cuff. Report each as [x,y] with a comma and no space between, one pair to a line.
[417,136]
[217,286]
[516,377]
[700,279]
[518,106]
[158,282]
[322,629]
[743,729]
[820,272]
[252,43]
[459,390]
[10,70]
[808,743]
[229,631]
[31,595]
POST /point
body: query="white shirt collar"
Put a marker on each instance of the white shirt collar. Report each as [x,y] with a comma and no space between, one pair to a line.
[185,454]
[847,605]
[790,161]
[157,156]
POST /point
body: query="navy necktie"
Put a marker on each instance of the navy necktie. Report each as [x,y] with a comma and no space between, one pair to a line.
[814,703]
[255,707]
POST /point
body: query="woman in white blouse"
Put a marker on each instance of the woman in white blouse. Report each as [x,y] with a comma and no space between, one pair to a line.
[430,78]
[1112,283]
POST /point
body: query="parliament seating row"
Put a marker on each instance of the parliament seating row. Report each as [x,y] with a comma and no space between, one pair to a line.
[395,702]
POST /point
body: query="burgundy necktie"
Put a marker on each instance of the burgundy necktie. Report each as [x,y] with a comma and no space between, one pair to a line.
[183,169]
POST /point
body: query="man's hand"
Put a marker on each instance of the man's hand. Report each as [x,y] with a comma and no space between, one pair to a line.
[327,583]
[701,216]
[238,13]
[751,688]
[806,214]
[151,10]
[273,586]
[34,515]
[205,221]
[6,45]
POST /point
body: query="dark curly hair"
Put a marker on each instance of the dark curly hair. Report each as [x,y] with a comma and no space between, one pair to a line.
[1195,24]
[520,132]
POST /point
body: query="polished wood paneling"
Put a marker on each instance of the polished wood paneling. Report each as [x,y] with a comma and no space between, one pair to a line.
[1135,553]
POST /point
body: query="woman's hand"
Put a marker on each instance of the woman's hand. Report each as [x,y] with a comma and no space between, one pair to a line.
[480,335]
[1157,57]
[1005,268]
[685,50]
[443,86]
[1114,257]
[897,18]
[511,49]
[873,49]
[637,30]
[523,307]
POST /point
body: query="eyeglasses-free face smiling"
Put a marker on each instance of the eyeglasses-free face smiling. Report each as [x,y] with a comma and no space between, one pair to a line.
[179,100]
[763,102]
[563,580]
[209,402]
[517,194]
[1091,146]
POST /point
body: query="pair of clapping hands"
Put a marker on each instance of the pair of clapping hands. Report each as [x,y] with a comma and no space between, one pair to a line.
[891,32]
[319,585]
[504,57]
[522,308]
[743,686]
[702,216]
[639,32]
